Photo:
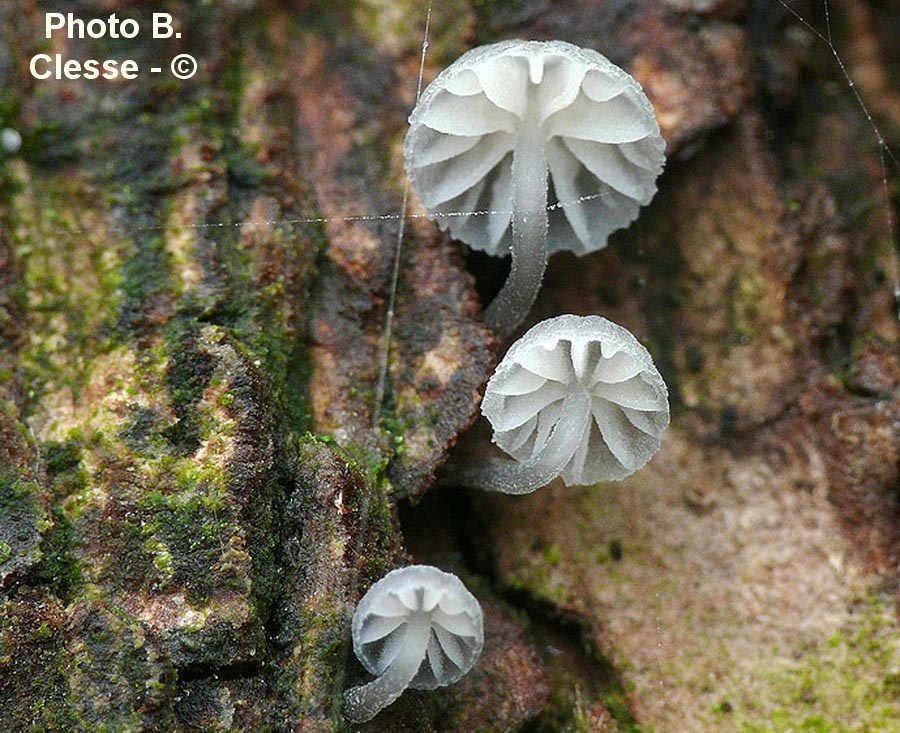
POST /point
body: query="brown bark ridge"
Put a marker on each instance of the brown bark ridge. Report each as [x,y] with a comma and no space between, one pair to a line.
[196,483]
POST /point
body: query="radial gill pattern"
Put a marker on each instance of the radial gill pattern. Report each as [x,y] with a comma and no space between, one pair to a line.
[629,400]
[385,621]
[604,151]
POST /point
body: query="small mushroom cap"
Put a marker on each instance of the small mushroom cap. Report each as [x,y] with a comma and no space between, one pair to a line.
[10,140]
[383,617]
[604,151]
[629,400]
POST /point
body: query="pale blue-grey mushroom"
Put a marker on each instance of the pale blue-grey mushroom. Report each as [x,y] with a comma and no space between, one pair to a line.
[577,397]
[417,627]
[489,128]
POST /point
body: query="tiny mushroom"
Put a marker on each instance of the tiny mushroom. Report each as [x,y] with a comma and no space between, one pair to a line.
[576,397]
[416,627]
[10,140]
[487,130]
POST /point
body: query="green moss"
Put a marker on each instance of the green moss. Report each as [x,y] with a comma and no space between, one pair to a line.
[243,168]
[749,309]
[394,425]
[62,457]
[42,633]
[204,481]
[10,184]
[616,702]
[33,692]
[842,685]
[184,535]
[294,393]
[116,680]
[146,277]
[169,523]
[189,372]
[162,558]
[6,552]
[563,713]
[59,569]
[395,28]
[21,517]
[64,468]
[372,501]
[50,144]
[736,325]
[191,529]
[69,285]
[567,710]
[552,554]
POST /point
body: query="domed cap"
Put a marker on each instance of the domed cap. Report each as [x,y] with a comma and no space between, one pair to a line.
[608,368]
[603,147]
[416,627]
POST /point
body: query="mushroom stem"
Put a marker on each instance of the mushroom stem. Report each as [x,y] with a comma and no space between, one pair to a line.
[365,702]
[549,462]
[529,227]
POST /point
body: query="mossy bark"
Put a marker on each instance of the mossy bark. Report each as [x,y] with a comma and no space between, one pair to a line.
[196,484]
[179,552]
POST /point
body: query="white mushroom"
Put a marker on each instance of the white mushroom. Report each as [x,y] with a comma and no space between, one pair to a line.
[416,627]
[10,140]
[576,397]
[488,128]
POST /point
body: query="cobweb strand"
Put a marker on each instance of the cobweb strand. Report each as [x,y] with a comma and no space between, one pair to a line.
[885,152]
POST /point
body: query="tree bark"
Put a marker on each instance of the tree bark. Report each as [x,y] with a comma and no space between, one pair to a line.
[196,482]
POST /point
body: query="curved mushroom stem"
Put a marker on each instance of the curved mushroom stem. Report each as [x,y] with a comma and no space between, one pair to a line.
[510,477]
[529,228]
[366,701]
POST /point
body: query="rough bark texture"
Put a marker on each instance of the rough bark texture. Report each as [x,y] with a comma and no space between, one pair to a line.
[196,484]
